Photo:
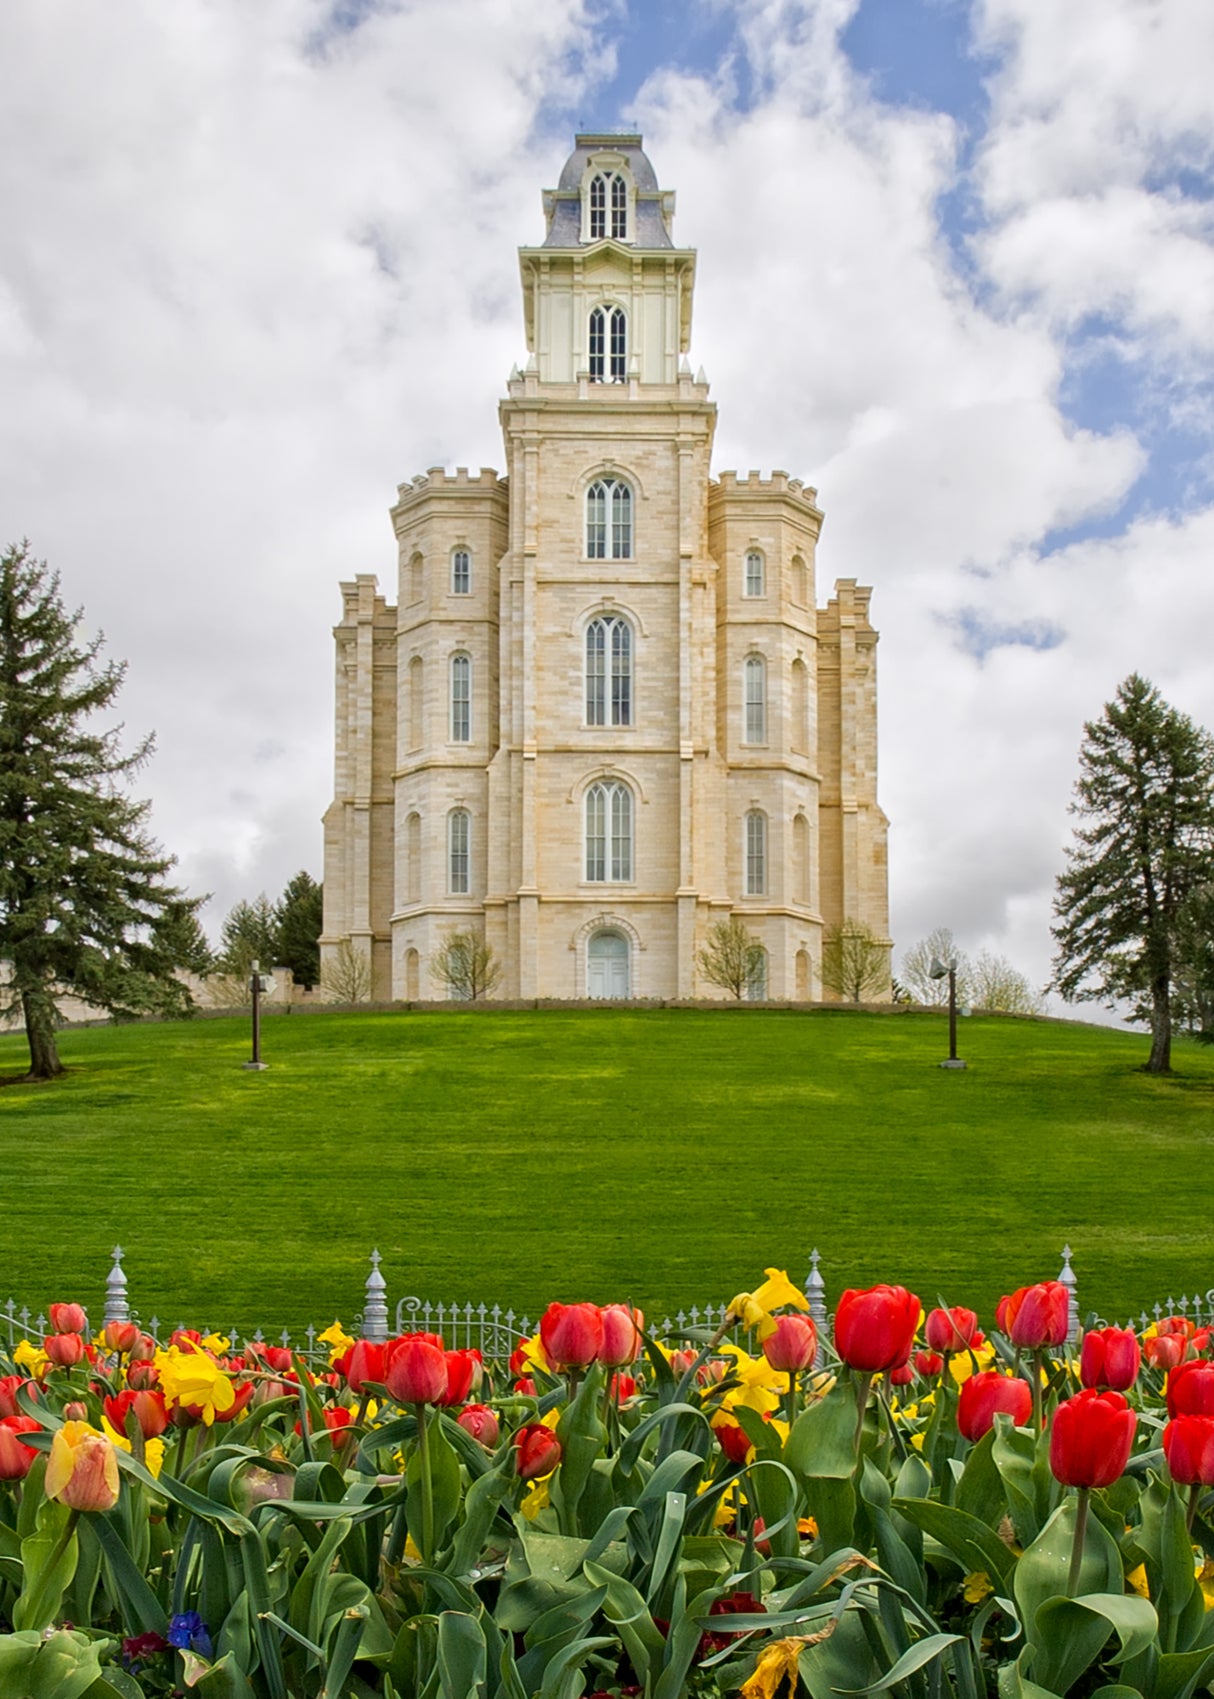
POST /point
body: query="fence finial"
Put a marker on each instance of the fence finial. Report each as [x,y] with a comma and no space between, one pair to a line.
[375,1308]
[815,1291]
[116,1306]
[1067,1278]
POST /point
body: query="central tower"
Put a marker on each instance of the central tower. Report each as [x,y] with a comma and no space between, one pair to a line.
[606,712]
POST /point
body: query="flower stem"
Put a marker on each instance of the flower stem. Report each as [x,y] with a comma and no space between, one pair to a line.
[36,1603]
[863,1386]
[426,1543]
[1038,1412]
[1081,1528]
[1194,1495]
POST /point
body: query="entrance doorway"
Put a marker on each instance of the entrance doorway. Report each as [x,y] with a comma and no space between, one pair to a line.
[607,966]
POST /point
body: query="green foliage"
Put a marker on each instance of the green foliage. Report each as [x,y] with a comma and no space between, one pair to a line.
[548,1121]
[855,961]
[1193,991]
[299,915]
[85,904]
[1145,844]
[249,934]
[733,958]
[465,967]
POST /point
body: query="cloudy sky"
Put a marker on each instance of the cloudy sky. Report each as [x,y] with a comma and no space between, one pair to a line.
[257,266]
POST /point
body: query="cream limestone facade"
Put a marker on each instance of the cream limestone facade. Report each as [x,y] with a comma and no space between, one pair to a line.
[606,711]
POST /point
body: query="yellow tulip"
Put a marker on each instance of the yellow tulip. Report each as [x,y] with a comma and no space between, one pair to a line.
[82,1471]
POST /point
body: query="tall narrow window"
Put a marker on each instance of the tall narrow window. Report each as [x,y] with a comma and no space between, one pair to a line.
[756,853]
[609,520]
[754,584]
[598,208]
[461,572]
[799,592]
[608,345]
[609,672]
[417,580]
[461,699]
[755,721]
[417,698]
[459,831]
[619,208]
[609,832]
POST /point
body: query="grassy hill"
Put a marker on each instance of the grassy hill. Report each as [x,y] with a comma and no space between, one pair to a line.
[662,1155]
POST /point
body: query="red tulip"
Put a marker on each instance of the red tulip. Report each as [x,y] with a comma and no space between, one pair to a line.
[480,1421]
[68,1318]
[142,1375]
[1036,1316]
[733,1439]
[1165,1350]
[902,1376]
[1191,1389]
[364,1362]
[9,1386]
[275,1357]
[623,1387]
[65,1350]
[144,1349]
[572,1334]
[525,1386]
[986,1395]
[464,1371]
[1188,1445]
[1091,1437]
[15,1458]
[538,1451]
[928,1364]
[242,1393]
[417,1371]
[1110,1358]
[950,1331]
[621,1335]
[875,1329]
[150,1412]
[680,1362]
[794,1344]
[120,1336]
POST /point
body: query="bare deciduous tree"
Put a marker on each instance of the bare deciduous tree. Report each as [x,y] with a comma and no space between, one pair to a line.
[855,961]
[346,978]
[915,968]
[996,985]
[466,966]
[733,957]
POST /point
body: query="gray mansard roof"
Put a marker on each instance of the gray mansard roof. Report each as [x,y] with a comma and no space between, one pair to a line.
[563,205]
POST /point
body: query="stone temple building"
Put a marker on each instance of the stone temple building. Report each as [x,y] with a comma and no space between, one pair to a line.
[606,711]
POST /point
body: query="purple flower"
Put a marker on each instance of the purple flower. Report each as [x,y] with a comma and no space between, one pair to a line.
[188,1632]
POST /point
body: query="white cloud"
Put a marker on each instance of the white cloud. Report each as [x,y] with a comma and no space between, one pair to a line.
[256,269]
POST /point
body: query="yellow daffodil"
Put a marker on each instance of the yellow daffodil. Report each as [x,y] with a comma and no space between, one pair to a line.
[976,1587]
[1205,1577]
[753,1309]
[961,1363]
[189,1376]
[1137,1579]
[759,1385]
[535,1498]
[216,1342]
[32,1358]
[777,1665]
[807,1527]
[534,1354]
[337,1339]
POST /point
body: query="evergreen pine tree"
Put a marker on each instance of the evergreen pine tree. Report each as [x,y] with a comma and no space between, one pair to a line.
[85,905]
[248,935]
[299,914]
[1145,797]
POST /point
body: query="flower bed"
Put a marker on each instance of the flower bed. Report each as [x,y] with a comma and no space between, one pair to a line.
[910,1506]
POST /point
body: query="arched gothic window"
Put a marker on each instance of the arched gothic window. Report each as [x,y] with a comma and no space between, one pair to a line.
[609,520]
[459,834]
[608,345]
[756,985]
[756,853]
[754,729]
[609,832]
[461,699]
[608,194]
[461,572]
[609,672]
[754,583]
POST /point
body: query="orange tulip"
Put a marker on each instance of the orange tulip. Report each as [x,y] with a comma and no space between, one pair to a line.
[83,1470]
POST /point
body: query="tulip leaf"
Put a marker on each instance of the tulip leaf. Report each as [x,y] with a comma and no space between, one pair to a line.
[67,1665]
[973,1544]
[1041,1572]
[822,1444]
[1015,1684]
[140,1607]
[1069,1634]
[1179,1673]
[628,1614]
[921,1653]
[1165,1538]
[845,1658]
[48,1558]
[1014,1451]
[981,1491]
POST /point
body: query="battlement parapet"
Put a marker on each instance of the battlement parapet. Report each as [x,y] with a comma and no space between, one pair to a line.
[779,483]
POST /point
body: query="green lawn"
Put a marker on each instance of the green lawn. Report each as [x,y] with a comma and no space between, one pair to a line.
[661,1155]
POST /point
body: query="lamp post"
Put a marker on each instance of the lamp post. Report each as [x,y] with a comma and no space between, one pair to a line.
[258,982]
[939,970]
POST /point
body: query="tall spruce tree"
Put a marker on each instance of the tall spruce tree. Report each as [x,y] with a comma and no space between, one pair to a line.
[85,904]
[299,913]
[1145,843]
[249,934]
